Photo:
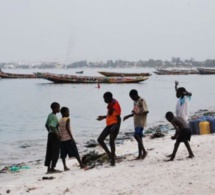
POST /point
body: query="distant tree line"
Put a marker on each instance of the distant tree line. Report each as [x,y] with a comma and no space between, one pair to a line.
[173,63]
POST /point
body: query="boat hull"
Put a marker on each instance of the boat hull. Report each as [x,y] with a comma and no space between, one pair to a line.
[59,78]
[120,74]
[5,75]
[175,72]
[206,71]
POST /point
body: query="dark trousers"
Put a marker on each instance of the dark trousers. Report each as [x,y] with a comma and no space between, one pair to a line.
[52,150]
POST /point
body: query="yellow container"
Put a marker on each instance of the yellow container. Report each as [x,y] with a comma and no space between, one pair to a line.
[204,127]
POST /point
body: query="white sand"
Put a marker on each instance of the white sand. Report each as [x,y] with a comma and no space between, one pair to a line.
[150,176]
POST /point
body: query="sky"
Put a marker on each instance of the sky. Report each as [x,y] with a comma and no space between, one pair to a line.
[99,30]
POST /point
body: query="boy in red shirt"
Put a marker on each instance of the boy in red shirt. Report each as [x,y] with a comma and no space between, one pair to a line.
[113,121]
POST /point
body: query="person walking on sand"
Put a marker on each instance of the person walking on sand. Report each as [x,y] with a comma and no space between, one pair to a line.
[139,113]
[53,141]
[182,134]
[182,106]
[68,145]
[113,121]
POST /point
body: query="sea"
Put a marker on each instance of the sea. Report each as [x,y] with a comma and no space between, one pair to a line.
[25,105]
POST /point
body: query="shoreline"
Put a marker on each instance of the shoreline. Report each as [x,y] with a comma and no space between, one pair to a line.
[27,147]
[149,176]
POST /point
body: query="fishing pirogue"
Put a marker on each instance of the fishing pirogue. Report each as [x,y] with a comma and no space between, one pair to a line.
[206,70]
[175,72]
[6,75]
[65,78]
[120,74]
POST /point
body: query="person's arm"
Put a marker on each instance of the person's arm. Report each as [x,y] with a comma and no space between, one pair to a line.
[127,116]
[141,113]
[47,127]
[54,126]
[186,93]
[176,85]
[176,131]
[68,128]
[99,118]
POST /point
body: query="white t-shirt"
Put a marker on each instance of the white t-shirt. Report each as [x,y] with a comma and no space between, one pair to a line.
[182,107]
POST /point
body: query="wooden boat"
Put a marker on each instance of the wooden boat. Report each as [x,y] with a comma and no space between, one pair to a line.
[65,78]
[5,75]
[175,72]
[123,74]
[206,71]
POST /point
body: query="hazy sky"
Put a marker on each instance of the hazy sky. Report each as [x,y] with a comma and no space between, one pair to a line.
[98,30]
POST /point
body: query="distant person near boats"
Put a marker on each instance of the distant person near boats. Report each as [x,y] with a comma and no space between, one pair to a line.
[68,145]
[139,113]
[53,142]
[182,134]
[113,121]
[182,106]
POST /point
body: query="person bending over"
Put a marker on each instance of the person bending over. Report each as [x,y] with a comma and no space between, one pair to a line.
[182,134]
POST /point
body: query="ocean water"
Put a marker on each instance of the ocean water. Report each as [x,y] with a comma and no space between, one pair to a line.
[25,105]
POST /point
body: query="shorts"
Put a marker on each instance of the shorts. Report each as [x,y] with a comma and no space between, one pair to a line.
[68,148]
[184,134]
[138,131]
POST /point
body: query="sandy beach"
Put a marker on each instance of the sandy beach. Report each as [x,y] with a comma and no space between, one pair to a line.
[149,176]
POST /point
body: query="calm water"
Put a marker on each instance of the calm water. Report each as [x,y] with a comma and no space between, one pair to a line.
[25,104]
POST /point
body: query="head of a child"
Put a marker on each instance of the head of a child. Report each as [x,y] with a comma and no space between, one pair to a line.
[108,97]
[134,95]
[170,116]
[180,92]
[55,107]
[64,111]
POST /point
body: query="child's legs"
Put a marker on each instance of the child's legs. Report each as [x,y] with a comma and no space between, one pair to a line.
[101,139]
[138,134]
[114,130]
[72,151]
[55,150]
[188,148]
[64,163]
[63,153]
[48,152]
[177,143]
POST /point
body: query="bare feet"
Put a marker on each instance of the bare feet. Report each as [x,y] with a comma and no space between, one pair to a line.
[66,169]
[168,160]
[138,158]
[144,155]
[169,156]
[190,156]
[53,171]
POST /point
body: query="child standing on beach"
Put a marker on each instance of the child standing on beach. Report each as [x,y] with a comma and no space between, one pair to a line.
[182,106]
[139,113]
[53,142]
[68,145]
[113,121]
[182,134]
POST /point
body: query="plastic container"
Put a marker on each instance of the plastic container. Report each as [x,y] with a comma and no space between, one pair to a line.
[212,124]
[194,126]
[204,127]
